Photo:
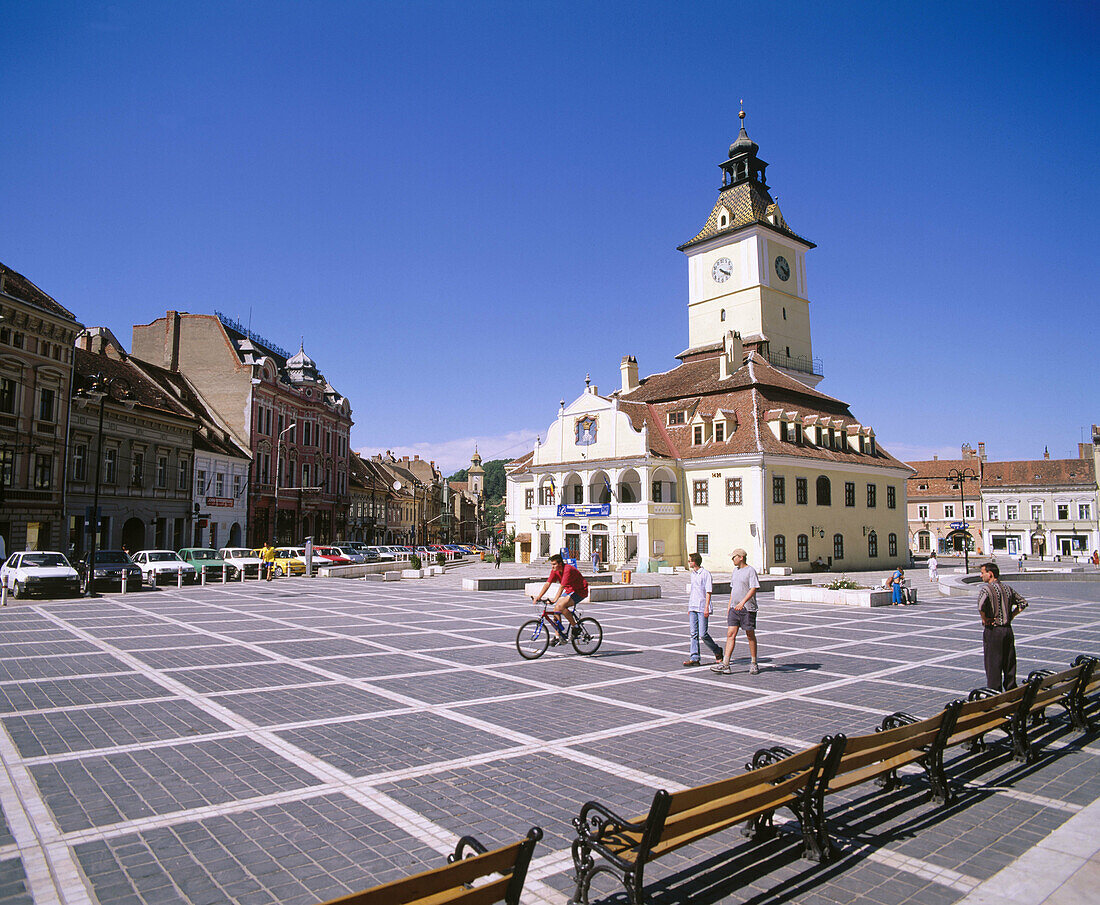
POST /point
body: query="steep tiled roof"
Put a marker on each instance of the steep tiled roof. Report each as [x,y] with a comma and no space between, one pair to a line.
[743,401]
[744,204]
[930,479]
[1040,472]
[18,286]
[142,389]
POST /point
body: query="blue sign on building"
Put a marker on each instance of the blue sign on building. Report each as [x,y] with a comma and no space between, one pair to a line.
[592,510]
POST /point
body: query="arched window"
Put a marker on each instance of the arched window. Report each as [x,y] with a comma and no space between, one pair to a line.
[722,315]
[824,492]
[803,548]
[780,548]
[892,545]
[838,546]
[872,545]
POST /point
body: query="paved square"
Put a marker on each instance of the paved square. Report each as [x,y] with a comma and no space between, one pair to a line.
[284,744]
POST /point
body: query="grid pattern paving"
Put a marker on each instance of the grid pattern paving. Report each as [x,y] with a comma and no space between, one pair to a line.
[270,745]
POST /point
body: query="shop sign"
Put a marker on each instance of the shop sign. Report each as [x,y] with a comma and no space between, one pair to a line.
[222,502]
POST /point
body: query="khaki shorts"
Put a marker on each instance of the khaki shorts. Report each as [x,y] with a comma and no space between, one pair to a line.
[743,618]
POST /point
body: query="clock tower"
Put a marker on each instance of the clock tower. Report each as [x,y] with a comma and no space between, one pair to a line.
[747,271]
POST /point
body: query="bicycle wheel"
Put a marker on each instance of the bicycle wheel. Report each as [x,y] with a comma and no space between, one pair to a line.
[532,639]
[590,637]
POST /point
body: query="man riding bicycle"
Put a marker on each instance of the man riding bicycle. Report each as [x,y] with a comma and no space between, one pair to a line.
[572,584]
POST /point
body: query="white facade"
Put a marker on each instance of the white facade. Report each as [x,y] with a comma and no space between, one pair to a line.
[221,500]
[1041,522]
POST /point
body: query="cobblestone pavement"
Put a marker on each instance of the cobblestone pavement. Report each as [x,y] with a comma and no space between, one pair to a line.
[291,742]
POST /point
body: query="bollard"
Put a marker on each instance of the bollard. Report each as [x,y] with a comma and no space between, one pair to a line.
[179,577]
[202,580]
[3,594]
[225,573]
[123,582]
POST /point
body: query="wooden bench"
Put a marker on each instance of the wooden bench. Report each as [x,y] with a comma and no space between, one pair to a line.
[1089,688]
[1067,689]
[901,740]
[451,883]
[776,778]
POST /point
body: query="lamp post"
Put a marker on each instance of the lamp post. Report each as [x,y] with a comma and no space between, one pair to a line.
[99,387]
[278,472]
[960,475]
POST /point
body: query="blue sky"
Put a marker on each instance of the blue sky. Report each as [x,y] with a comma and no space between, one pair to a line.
[464,207]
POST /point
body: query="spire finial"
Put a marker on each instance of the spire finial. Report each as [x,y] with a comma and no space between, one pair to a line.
[741,115]
[588,380]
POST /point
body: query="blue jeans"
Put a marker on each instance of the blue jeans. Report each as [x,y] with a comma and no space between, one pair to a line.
[699,628]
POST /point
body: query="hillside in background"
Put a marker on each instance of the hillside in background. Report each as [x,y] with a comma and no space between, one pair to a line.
[494,478]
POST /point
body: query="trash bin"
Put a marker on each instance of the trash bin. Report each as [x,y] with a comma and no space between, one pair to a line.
[626,576]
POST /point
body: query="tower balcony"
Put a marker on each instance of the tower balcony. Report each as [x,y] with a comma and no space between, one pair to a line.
[798,363]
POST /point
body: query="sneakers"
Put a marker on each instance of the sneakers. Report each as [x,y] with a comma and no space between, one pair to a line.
[721,668]
[754,670]
[576,631]
[692,663]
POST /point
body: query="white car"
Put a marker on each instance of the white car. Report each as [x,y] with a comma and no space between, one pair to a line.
[39,572]
[349,553]
[383,554]
[240,559]
[163,565]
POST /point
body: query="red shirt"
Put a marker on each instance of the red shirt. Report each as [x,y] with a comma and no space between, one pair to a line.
[571,581]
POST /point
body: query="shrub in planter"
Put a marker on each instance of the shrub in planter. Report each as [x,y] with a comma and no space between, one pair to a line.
[440,558]
[414,561]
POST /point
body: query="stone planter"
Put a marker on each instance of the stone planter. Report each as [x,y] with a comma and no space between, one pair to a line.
[412,573]
[867,597]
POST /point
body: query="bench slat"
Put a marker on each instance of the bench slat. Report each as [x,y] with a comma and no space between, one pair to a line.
[442,884]
[700,795]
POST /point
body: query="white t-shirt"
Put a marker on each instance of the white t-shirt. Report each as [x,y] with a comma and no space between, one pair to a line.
[701,585]
[741,580]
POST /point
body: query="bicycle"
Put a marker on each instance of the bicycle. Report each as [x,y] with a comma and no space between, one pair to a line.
[533,636]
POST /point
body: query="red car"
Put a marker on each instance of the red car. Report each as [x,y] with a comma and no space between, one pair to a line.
[330,555]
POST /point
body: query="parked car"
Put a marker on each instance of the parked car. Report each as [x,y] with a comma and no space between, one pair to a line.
[238,559]
[162,565]
[110,567]
[204,559]
[349,553]
[286,562]
[381,554]
[300,552]
[332,555]
[45,572]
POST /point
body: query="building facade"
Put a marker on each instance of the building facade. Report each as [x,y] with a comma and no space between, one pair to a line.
[36,365]
[138,463]
[294,425]
[1039,508]
[734,447]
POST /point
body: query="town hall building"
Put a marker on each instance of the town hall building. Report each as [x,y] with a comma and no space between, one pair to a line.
[735,446]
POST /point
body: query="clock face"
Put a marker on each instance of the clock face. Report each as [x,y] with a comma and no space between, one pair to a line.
[722,270]
[782,268]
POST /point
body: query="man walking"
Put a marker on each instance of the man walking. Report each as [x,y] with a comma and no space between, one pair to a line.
[998,605]
[702,585]
[741,612]
[267,555]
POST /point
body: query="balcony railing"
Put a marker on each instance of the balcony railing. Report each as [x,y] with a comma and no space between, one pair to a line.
[795,363]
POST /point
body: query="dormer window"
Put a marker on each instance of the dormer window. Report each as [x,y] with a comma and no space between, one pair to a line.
[724,220]
[722,315]
[697,435]
[677,418]
[719,431]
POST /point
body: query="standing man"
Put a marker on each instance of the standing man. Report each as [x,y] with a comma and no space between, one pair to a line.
[933,568]
[496,558]
[998,605]
[267,554]
[702,585]
[595,559]
[741,612]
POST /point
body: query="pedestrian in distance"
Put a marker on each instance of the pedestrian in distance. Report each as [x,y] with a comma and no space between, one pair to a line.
[741,611]
[267,555]
[933,568]
[998,605]
[496,558]
[702,586]
[595,559]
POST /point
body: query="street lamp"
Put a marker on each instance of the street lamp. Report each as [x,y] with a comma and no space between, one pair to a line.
[278,472]
[959,475]
[99,386]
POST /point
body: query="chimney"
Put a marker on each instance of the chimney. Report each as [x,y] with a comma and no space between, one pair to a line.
[628,367]
[171,341]
[733,355]
[1046,452]
[981,450]
[935,458]
[968,451]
